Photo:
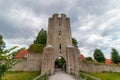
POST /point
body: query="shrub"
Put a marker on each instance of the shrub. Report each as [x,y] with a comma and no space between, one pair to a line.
[36,48]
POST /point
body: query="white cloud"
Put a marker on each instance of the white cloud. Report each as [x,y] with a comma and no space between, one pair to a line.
[28,18]
[95,24]
[99,32]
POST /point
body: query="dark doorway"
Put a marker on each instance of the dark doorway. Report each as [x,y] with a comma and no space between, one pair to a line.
[60,64]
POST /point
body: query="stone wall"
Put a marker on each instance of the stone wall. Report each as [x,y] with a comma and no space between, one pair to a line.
[98,67]
[32,63]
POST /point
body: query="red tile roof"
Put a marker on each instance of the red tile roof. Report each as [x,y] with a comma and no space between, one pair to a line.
[82,57]
[108,61]
[22,54]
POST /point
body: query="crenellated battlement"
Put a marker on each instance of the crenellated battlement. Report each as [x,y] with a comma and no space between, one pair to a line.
[63,16]
[56,15]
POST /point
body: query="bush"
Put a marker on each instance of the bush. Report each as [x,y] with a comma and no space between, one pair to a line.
[36,48]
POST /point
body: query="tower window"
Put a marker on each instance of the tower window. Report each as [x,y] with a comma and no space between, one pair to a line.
[60,46]
[59,24]
[59,33]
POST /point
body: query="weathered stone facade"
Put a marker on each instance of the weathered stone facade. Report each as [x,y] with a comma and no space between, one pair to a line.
[59,44]
[98,67]
[31,63]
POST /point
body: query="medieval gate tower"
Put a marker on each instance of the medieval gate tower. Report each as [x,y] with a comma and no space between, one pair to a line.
[59,44]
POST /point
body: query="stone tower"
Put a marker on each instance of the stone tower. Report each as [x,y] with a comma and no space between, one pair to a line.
[59,44]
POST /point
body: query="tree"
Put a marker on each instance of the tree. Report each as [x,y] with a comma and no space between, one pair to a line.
[2,44]
[98,55]
[39,42]
[6,58]
[115,56]
[41,37]
[74,42]
[89,59]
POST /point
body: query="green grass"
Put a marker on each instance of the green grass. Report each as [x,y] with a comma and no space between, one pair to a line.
[107,75]
[20,75]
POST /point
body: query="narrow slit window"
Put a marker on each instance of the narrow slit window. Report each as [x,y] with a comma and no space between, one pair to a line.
[59,33]
[60,46]
[59,24]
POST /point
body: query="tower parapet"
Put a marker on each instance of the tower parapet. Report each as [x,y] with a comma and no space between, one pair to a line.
[63,16]
[55,15]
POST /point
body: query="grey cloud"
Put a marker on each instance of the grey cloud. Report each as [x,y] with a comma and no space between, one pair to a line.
[77,10]
[9,29]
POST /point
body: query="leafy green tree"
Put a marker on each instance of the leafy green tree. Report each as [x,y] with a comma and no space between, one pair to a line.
[74,41]
[2,44]
[115,56]
[39,42]
[6,58]
[98,55]
[41,37]
[89,59]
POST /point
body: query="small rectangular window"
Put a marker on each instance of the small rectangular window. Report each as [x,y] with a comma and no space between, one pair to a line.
[59,33]
[60,46]
[59,24]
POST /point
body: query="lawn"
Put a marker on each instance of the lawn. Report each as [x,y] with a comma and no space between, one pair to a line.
[107,75]
[20,75]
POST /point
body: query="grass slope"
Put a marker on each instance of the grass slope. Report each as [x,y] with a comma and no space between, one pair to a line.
[20,75]
[107,75]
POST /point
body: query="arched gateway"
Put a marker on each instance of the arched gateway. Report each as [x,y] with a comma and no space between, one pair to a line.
[60,64]
[59,44]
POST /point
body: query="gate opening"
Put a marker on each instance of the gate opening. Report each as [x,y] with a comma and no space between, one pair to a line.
[60,64]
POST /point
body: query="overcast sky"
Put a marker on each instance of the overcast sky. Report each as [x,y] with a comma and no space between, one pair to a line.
[94,23]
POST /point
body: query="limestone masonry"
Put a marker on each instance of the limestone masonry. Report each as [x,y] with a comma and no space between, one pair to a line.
[59,44]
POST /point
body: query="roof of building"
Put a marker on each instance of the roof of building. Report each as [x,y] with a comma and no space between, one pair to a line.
[108,61]
[22,54]
[82,57]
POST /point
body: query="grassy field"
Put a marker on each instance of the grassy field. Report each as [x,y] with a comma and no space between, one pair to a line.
[31,75]
[107,75]
[20,75]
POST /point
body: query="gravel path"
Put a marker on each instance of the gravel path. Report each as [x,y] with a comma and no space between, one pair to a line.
[61,76]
